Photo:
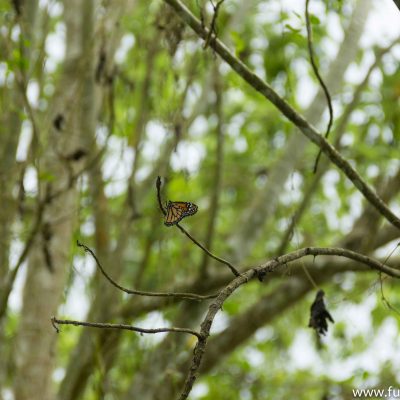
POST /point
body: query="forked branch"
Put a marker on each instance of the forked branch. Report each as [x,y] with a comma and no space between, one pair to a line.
[268,267]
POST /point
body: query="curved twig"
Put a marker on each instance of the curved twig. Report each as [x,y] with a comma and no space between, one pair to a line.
[320,80]
[55,321]
[221,260]
[188,296]
[160,204]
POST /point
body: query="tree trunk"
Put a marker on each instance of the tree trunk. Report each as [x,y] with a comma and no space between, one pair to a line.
[49,260]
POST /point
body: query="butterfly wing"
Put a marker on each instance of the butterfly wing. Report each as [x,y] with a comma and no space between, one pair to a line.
[175,213]
[177,210]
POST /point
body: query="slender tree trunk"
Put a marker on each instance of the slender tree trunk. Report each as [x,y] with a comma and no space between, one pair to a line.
[48,264]
[106,297]
[10,170]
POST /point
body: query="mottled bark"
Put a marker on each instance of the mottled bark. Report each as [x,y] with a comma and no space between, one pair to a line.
[12,107]
[107,298]
[48,264]
[10,171]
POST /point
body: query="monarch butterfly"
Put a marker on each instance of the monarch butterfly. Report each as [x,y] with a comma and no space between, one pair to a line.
[177,210]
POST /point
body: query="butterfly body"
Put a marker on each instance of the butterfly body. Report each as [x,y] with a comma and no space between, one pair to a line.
[177,210]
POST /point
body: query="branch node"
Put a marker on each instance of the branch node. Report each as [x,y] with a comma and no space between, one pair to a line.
[54,323]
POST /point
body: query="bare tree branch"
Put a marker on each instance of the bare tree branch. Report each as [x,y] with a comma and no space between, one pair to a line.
[188,296]
[55,321]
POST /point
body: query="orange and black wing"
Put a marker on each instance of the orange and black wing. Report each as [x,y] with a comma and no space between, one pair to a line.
[177,210]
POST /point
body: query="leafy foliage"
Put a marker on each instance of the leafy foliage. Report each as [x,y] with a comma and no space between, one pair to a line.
[158,114]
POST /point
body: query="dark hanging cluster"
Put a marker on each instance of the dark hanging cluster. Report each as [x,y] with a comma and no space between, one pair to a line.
[319,315]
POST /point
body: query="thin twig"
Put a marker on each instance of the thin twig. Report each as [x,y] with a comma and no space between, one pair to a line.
[297,119]
[308,275]
[55,321]
[384,299]
[14,271]
[391,253]
[219,159]
[189,296]
[219,259]
[320,80]
[307,195]
[213,22]
[160,204]
[195,241]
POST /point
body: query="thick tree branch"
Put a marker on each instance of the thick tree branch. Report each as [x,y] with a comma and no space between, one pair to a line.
[270,306]
[397,2]
[262,312]
[308,130]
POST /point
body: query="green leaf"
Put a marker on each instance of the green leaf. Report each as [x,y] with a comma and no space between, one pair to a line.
[291,28]
[314,20]
[238,42]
